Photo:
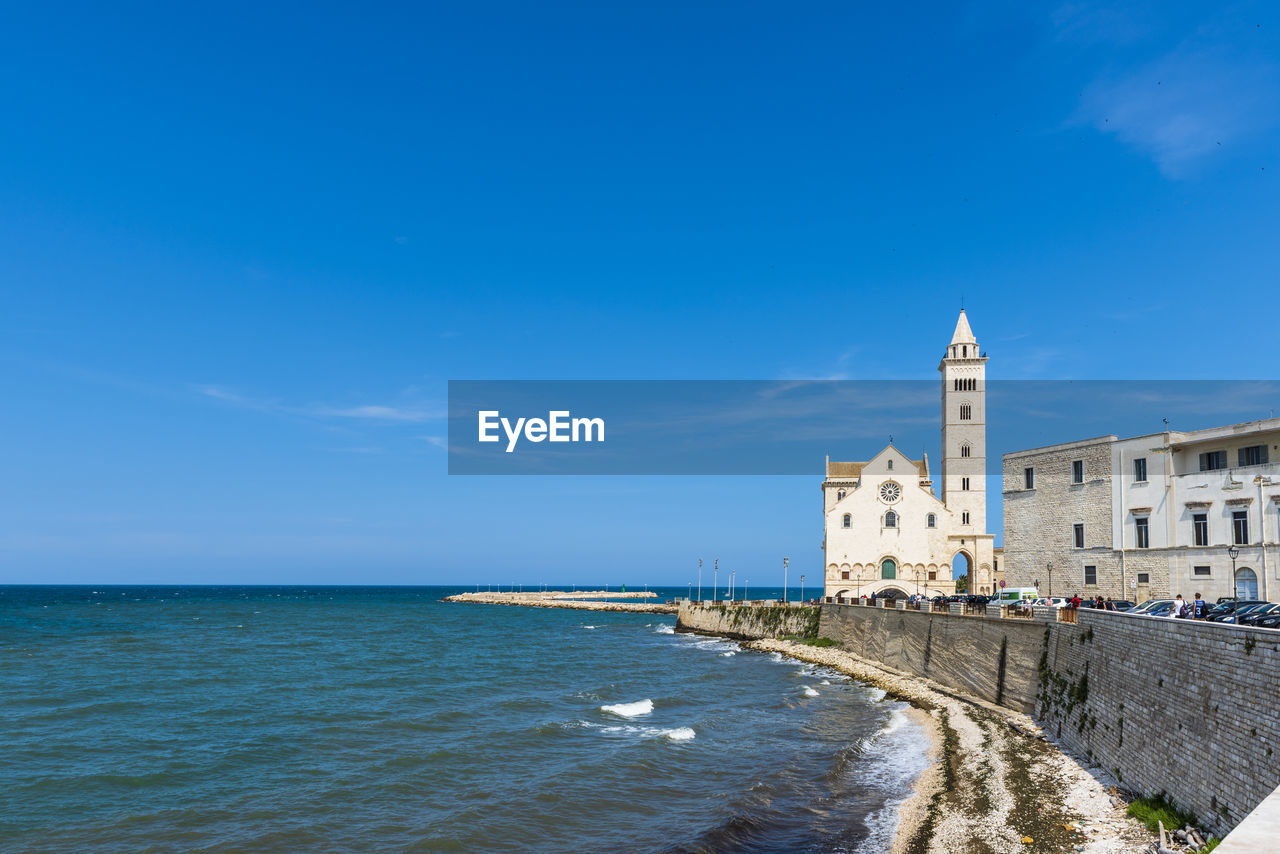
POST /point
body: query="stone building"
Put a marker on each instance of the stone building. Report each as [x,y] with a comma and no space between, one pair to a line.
[886,531]
[1147,517]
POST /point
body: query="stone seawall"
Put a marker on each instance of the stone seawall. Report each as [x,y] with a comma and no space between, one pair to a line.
[748,622]
[994,660]
[1188,709]
[1191,709]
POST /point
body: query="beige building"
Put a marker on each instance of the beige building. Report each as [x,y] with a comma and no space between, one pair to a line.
[886,531]
[1148,517]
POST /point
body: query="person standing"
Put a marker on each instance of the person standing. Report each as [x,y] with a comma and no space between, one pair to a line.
[1178,607]
[1199,608]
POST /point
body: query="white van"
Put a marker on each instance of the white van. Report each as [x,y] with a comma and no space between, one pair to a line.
[1013,595]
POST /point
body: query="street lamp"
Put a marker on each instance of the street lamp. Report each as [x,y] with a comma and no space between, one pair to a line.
[802,588]
[715,580]
[746,585]
[785,561]
[1235,584]
[733,583]
[1050,579]
[699,579]
[690,590]
[859,585]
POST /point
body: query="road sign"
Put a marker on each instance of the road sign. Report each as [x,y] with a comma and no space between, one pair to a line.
[1002,584]
[1133,585]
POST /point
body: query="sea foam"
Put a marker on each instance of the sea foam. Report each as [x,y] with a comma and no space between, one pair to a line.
[630,710]
[810,692]
[665,629]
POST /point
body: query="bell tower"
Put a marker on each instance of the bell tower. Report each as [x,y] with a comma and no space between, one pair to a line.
[964,430]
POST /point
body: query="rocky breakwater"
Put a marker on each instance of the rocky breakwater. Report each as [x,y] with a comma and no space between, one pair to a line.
[582,600]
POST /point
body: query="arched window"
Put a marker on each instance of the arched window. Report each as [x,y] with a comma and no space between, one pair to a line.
[848,521]
[888,569]
[966,449]
[1246,583]
[966,412]
[840,495]
[890,465]
[891,519]
[933,520]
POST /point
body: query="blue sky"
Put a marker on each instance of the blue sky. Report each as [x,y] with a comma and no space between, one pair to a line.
[243,249]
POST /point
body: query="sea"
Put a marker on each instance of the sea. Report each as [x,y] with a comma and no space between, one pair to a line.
[340,719]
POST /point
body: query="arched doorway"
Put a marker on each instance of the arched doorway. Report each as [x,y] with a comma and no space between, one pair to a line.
[891,593]
[960,566]
[1246,583]
[888,569]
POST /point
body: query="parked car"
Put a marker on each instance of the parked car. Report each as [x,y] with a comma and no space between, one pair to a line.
[1151,603]
[1246,612]
[1226,609]
[1255,614]
[1270,621]
[1121,605]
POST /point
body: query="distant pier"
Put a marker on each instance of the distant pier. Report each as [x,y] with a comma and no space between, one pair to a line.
[582,600]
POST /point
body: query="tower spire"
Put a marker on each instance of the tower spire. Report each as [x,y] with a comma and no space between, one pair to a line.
[963,334]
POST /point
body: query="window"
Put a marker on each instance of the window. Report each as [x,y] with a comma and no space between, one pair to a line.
[1077,533]
[1240,527]
[1254,455]
[933,575]
[1200,570]
[966,412]
[888,569]
[966,450]
[890,465]
[844,576]
[964,484]
[1140,470]
[891,519]
[840,495]
[848,521]
[1029,478]
[1141,538]
[1144,578]
[1090,575]
[1200,528]
[1077,471]
[964,518]
[1213,460]
[932,521]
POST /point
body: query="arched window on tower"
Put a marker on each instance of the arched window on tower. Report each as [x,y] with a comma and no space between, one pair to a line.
[966,450]
[891,519]
[840,495]
[848,521]
[933,520]
[966,412]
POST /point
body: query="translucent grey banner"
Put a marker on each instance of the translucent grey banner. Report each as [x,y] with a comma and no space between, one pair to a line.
[786,427]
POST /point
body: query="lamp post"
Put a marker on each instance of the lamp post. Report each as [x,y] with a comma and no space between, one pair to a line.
[1050,579]
[715,580]
[699,579]
[1235,585]
[690,590]
[746,585]
[802,588]
[785,561]
[733,583]
[859,585]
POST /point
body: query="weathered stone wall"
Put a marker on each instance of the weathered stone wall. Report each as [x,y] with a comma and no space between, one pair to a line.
[1191,709]
[748,622]
[991,659]
[1038,521]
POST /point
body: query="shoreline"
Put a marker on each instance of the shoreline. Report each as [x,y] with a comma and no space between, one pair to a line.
[994,779]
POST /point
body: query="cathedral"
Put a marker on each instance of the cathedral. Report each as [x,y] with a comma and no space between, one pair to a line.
[886,530]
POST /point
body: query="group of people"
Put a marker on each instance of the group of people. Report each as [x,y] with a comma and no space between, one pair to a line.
[1196,609]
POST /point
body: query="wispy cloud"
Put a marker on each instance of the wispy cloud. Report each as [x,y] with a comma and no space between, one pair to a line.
[416,413]
[1184,106]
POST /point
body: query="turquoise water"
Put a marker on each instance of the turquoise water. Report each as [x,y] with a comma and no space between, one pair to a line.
[381,719]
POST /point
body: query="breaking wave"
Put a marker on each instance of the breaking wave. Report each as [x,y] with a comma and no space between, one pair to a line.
[630,710]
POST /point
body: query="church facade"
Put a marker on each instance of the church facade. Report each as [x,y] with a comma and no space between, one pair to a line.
[886,531]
